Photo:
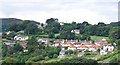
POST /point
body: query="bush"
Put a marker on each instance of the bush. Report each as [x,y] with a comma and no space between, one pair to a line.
[36,58]
[55,56]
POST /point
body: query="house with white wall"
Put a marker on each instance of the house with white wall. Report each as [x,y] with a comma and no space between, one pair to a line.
[21,37]
[43,40]
[66,44]
[82,47]
[9,43]
[93,47]
[72,47]
[76,31]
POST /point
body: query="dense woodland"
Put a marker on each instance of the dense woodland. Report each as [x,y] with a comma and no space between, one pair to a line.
[40,52]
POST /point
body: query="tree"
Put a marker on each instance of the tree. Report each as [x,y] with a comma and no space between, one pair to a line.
[15,27]
[4,50]
[11,60]
[31,28]
[85,23]
[17,47]
[114,33]
[51,35]
[86,37]
[55,56]
[67,35]
[32,41]
[101,24]
[12,35]
[36,58]
[53,26]
[4,35]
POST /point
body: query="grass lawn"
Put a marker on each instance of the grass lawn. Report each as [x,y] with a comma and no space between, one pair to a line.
[99,37]
[95,37]
[57,34]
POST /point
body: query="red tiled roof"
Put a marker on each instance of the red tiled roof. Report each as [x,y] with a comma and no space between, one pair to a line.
[23,44]
[82,46]
[103,42]
[67,42]
[87,43]
[72,46]
[94,46]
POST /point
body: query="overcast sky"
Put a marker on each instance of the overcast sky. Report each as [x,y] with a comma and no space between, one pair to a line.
[93,11]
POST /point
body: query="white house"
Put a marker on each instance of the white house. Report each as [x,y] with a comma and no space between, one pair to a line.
[110,48]
[9,43]
[93,47]
[82,47]
[56,45]
[102,52]
[66,44]
[102,42]
[105,47]
[21,37]
[76,31]
[25,50]
[62,54]
[71,47]
[61,23]
[76,44]
[43,40]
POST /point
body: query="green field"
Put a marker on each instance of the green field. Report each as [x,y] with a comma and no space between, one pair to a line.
[99,37]
[92,37]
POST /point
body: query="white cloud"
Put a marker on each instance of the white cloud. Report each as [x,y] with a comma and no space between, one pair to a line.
[93,11]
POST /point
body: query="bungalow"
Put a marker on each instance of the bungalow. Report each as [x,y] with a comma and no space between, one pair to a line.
[66,44]
[76,31]
[43,40]
[102,42]
[9,43]
[71,47]
[56,44]
[72,41]
[105,49]
[82,47]
[110,48]
[87,43]
[61,23]
[21,37]
[76,44]
[25,50]
[102,52]
[93,47]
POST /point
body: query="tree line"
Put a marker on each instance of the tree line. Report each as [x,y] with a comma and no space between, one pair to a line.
[53,27]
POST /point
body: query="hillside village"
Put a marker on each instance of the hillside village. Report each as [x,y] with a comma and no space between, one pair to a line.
[28,42]
[103,45]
